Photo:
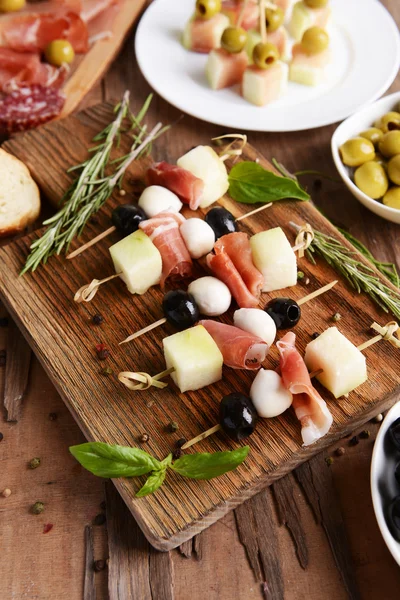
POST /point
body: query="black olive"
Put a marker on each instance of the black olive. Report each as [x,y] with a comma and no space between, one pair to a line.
[393,518]
[126,218]
[221,221]
[237,416]
[180,309]
[285,312]
[393,433]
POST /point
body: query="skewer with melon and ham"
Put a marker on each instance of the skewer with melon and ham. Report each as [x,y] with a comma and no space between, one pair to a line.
[306,14]
[203,31]
[310,57]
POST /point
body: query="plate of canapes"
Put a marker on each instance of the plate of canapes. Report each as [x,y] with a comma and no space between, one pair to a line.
[268,65]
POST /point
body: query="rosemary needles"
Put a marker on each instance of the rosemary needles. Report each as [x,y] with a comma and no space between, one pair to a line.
[92,188]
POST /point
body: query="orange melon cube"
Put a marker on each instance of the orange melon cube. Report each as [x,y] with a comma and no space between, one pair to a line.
[203,35]
[263,86]
[224,69]
[308,69]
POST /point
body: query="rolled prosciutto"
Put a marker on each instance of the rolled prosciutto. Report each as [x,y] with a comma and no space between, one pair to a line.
[181,182]
[237,246]
[163,230]
[240,350]
[224,269]
[21,69]
[311,410]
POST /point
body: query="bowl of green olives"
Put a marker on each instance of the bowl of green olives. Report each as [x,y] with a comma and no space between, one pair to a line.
[366,152]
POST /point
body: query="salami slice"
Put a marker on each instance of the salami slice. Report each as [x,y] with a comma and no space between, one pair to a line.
[28,107]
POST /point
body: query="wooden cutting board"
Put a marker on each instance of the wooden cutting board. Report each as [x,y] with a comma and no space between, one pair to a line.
[63,337]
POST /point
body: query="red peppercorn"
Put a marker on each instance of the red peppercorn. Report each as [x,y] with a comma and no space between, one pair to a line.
[102,352]
[48,527]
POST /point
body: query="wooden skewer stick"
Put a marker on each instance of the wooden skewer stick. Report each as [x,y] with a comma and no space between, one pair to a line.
[145,380]
[317,293]
[263,22]
[201,436]
[92,242]
[253,212]
[304,239]
[87,292]
[144,330]
[241,16]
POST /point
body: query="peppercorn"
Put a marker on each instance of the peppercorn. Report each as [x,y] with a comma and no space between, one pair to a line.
[34,463]
[6,493]
[48,527]
[1,437]
[340,451]
[336,317]
[329,461]
[315,335]
[3,322]
[106,371]
[97,319]
[177,453]
[103,354]
[378,418]
[144,438]
[317,185]
[53,416]
[354,441]
[172,426]
[99,565]
[364,435]
[300,275]
[99,519]
[37,508]
[181,442]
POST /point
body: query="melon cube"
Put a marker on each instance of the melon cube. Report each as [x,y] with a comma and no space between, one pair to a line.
[138,261]
[275,259]
[224,69]
[195,357]
[262,86]
[203,35]
[205,163]
[304,17]
[308,69]
[344,366]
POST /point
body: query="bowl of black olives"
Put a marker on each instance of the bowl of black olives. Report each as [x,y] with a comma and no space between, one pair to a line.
[385,480]
[366,152]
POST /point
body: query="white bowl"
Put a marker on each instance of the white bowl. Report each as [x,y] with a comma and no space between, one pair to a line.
[382,465]
[361,120]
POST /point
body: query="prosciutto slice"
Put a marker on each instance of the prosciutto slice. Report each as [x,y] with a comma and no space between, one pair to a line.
[224,269]
[33,28]
[163,230]
[237,247]
[240,350]
[184,184]
[25,68]
[311,410]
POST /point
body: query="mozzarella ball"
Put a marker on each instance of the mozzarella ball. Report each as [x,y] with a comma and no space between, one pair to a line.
[212,296]
[198,236]
[156,199]
[257,321]
[269,395]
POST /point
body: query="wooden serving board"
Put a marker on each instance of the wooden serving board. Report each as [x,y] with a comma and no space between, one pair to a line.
[63,337]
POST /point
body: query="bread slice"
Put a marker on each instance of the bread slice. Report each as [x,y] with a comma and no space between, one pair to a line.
[19,195]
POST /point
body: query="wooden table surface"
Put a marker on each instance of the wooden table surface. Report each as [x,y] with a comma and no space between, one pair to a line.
[312,536]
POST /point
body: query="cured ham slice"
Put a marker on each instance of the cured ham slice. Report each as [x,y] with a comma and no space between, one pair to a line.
[91,9]
[25,68]
[33,28]
[311,410]
[240,350]
[251,13]
[181,182]
[163,231]
[222,266]
[237,246]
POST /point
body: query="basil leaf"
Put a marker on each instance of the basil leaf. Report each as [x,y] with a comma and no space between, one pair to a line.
[105,460]
[207,466]
[156,479]
[249,183]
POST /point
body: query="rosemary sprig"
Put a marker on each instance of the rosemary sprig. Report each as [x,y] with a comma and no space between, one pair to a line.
[361,277]
[93,187]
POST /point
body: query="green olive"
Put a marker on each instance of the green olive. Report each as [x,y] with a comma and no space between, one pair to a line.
[234,39]
[315,40]
[59,52]
[11,5]
[388,122]
[371,179]
[357,151]
[274,18]
[206,9]
[373,134]
[390,144]
[316,3]
[392,197]
[265,55]
[394,169]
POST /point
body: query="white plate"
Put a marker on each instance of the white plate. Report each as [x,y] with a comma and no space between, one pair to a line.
[351,127]
[382,468]
[366,50]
